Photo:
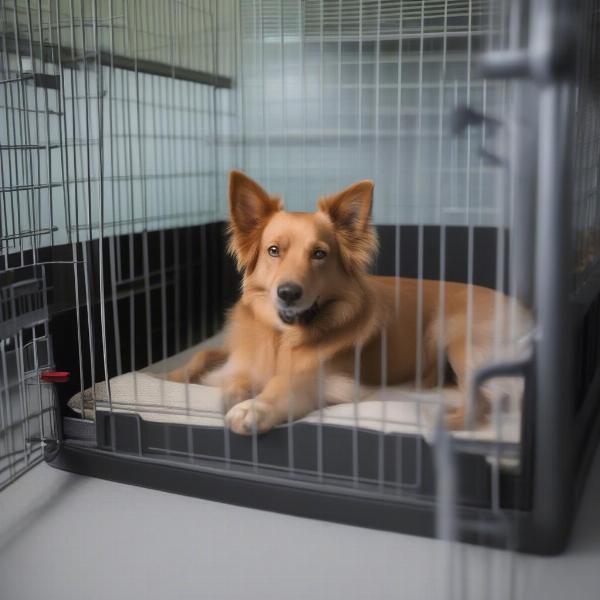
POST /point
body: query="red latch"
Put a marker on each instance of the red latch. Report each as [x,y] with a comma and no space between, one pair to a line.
[55,376]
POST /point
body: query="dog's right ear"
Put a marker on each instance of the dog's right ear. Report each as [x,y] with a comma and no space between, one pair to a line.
[250,207]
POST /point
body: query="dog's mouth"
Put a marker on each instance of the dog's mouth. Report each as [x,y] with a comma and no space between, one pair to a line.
[291,316]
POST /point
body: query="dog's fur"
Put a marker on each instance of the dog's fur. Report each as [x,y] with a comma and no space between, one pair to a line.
[345,320]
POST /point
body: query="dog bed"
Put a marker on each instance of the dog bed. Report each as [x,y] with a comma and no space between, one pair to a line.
[397,409]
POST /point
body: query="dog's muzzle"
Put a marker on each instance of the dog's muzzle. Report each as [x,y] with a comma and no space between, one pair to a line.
[290,316]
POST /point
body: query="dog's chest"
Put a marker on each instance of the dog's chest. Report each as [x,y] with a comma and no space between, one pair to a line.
[256,352]
[264,362]
[272,355]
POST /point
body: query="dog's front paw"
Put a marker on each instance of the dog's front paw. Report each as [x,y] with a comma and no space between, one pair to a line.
[249,416]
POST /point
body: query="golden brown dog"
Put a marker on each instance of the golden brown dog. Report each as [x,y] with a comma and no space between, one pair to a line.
[308,306]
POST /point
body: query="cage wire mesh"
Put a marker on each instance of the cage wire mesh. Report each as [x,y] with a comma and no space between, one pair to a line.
[110,113]
[121,121]
[27,415]
[364,89]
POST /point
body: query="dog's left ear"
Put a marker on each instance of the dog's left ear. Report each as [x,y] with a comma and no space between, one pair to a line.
[350,213]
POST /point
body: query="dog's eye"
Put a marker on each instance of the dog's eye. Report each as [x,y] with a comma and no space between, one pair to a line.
[319,254]
[273,251]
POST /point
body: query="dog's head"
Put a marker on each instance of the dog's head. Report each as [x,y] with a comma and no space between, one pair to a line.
[294,263]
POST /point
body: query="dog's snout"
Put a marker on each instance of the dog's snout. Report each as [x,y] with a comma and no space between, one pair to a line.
[289,292]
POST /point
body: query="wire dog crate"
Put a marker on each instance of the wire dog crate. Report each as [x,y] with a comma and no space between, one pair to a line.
[476,119]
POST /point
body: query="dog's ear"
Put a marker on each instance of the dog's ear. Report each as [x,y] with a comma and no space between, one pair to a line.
[350,213]
[250,207]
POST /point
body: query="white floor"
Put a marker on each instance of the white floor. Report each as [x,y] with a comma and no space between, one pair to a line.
[64,536]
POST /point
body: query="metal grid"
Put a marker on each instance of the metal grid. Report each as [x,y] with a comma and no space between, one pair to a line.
[109,122]
[27,419]
[367,87]
[102,146]
[30,182]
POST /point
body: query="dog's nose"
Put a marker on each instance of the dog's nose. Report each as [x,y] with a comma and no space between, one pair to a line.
[289,292]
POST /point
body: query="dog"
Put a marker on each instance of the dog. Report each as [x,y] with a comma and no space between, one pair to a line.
[310,312]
